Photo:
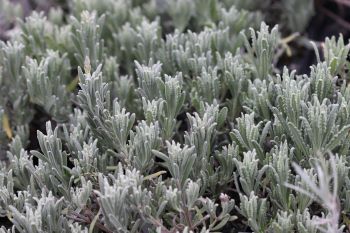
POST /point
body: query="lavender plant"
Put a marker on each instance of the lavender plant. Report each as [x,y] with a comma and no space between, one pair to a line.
[170,116]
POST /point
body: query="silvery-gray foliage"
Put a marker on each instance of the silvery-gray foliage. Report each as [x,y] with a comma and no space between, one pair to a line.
[171,116]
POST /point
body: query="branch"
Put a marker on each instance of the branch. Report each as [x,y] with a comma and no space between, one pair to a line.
[84,219]
[345,24]
[343,2]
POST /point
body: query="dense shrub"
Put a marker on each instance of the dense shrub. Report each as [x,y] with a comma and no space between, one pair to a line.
[171,116]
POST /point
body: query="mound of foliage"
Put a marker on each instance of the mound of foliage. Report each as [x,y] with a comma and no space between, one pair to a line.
[171,116]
